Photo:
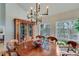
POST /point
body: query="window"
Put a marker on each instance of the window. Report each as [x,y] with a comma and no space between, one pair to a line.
[65,30]
[45,29]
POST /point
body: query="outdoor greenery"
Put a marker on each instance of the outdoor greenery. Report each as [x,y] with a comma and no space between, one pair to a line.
[62,42]
[76,25]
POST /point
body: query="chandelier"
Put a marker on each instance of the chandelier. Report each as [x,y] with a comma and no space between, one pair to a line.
[35,14]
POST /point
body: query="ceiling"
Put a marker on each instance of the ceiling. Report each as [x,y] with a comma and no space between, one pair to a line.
[54,8]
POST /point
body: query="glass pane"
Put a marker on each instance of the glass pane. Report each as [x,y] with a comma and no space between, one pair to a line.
[30,30]
[45,29]
[22,32]
[65,30]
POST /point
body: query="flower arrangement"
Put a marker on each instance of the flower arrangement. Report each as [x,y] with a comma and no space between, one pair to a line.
[38,42]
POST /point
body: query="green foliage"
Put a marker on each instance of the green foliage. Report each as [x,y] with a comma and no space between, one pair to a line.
[76,25]
[62,42]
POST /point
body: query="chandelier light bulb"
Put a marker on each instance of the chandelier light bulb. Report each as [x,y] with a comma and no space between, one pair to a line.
[31,8]
[47,7]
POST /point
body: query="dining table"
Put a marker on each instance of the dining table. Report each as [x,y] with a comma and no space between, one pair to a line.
[24,50]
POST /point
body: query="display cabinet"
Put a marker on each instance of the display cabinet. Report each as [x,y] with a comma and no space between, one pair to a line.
[23,29]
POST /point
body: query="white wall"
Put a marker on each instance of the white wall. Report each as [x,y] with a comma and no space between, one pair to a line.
[12,11]
[2,14]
